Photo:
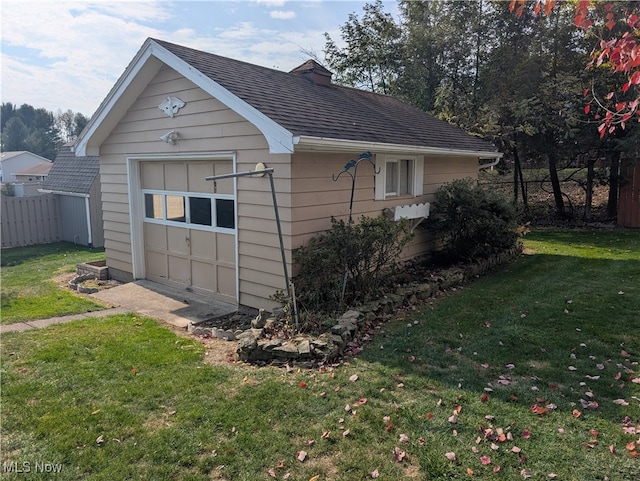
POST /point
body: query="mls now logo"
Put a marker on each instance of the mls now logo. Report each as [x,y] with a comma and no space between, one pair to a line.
[28,467]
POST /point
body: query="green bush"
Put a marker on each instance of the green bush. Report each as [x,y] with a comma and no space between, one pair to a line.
[470,222]
[365,254]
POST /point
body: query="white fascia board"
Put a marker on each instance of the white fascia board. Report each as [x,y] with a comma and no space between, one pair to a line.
[280,140]
[62,192]
[305,143]
[94,133]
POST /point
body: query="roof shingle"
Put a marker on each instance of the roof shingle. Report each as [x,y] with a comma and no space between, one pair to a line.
[72,174]
[330,111]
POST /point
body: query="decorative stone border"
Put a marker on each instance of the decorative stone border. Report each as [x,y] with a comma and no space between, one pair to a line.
[261,343]
[76,284]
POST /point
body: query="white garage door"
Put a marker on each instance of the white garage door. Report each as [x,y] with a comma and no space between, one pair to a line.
[190,227]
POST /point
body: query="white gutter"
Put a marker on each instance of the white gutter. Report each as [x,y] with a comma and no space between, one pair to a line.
[303,142]
[491,164]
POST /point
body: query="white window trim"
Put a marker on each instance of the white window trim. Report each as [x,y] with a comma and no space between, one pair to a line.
[381,177]
[188,224]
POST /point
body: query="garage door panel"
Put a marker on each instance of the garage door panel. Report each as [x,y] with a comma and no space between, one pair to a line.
[179,270]
[152,175]
[203,244]
[203,277]
[226,248]
[178,240]
[175,176]
[197,174]
[226,281]
[155,236]
[156,264]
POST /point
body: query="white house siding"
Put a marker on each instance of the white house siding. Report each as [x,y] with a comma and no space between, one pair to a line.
[204,126]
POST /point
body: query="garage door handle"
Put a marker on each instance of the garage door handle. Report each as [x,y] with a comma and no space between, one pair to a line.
[187,240]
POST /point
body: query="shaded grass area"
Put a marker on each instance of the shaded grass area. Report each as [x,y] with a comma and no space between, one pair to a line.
[27,289]
[124,398]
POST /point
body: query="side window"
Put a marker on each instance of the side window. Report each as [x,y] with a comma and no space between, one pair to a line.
[398,177]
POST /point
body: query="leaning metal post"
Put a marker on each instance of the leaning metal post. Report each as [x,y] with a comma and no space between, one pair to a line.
[268,171]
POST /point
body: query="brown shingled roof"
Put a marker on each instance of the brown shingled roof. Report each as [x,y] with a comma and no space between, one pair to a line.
[330,111]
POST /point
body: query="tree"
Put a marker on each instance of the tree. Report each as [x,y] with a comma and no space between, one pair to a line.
[370,58]
[616,27]
[14,135]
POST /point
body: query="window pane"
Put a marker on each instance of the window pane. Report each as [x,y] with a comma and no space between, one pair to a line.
[200,210]
[175,208]
[392,178]
[153,206]
[225,215]
[406,175]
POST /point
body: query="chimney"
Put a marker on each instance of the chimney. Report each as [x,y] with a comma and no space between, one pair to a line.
[312,70]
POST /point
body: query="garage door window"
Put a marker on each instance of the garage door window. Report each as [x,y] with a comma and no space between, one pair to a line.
[200,211]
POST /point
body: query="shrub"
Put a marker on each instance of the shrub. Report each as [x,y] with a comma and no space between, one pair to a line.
[471,222]
[358,258]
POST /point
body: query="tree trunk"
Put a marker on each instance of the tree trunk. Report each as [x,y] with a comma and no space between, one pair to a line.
[555,184]
[588,200]
[613,157]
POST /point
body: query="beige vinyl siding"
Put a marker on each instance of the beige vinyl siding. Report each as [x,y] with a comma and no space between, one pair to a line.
[317,197]
[204,125]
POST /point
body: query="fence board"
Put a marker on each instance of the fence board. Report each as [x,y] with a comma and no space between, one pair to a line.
[30,220]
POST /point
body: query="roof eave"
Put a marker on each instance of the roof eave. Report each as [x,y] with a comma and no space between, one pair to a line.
[307,143]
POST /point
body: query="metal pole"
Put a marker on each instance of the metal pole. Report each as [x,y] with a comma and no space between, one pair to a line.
[268,171]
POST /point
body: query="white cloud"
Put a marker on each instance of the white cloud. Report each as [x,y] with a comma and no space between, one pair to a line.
[271,3]
[282,15]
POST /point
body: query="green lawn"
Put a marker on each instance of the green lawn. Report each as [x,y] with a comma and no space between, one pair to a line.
[531,371]
[27,289]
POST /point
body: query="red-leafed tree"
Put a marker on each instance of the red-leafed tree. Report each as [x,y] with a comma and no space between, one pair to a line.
[616,28]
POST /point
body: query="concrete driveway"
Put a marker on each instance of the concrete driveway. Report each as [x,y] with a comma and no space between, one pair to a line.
[175,306]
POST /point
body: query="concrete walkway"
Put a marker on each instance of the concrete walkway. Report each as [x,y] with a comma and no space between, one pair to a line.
[177,307]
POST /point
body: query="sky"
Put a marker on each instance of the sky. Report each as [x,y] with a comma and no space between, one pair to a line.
[67,55]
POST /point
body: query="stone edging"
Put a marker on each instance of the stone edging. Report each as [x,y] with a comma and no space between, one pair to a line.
[256,345]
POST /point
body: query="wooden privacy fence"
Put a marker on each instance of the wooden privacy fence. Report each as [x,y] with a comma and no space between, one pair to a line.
[30,220]
[629,200]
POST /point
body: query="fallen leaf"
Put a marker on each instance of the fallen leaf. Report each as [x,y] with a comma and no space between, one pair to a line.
[412,358]
[631,446]
[100,439]
[374,474]
[552,475]
[525,473]
[526,434]
[346,433]
[272,473]
[399,454]
[347,408]
[484,398]
[496,469]
[469,472]
[430,416]
[325,435]
[576,413]
[315,478]
[620,402]
[516,450]
[612,449]
[485,460]
[286,476]
[572,368]
[421,441]
[453,419]
[302,384]
[280,464]
[353,378]
[301,456]
[404,438]
[451,456]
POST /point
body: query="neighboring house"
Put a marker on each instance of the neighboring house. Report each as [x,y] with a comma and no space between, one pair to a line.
[178,115]
[29,180]
[13,162]
[76,181]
